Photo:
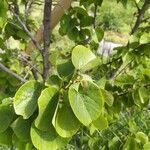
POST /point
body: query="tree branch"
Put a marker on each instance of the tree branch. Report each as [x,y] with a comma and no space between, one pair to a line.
[35,42]
[46,37]
[2,67]
[56,15]
[33,68]
[140,16]
[118,71]
[27,10]
[136,4]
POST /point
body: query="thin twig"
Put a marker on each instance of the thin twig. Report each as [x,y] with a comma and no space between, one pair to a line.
[27,10]
[58,11]
[29,63]
[37,45]
[136,4]
[120,71]
[95,15]
[4,68]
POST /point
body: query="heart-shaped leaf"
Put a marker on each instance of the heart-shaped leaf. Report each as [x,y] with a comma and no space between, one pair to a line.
[25,100]
[86,102]
[81,56]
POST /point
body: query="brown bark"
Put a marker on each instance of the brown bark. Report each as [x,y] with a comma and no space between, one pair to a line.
[56,15]
[46,38]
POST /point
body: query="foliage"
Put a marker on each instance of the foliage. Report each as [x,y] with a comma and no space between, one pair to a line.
[86,102]
[113,20]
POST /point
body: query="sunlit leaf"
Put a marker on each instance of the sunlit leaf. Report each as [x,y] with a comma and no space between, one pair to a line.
[142,137]
[86,102]
[108,97]
[25,100]
[81,56]
[101,123]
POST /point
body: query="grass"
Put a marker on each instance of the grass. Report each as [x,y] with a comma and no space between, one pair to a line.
[116,37]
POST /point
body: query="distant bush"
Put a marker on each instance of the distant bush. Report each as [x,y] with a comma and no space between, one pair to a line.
[111,16]
[109,21]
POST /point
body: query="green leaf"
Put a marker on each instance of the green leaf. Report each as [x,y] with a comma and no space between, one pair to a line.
[113,143]
[99,34]
[54,80]
[3,12]
[86,100]
[63,70]
[64,24]
[108,97]
[2,44]
[21,129]
[6,114]
[124,79]
[81,56]
[13,29]
[86,21]
[92,64]
[73,33]
[98,2]
[130,144]
[80,10]
[43,140]
[6,137]
[20,145]
[145,38]
[25,100]
[141,96]
[101,82]
[66,124]
[101,123]
[141,137]
[47,103]
[146,146]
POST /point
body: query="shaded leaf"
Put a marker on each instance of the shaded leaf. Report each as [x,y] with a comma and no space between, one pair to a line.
[47,103]
[6,114]
[21,128]
[66,123]
[6,137]
[47,139]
